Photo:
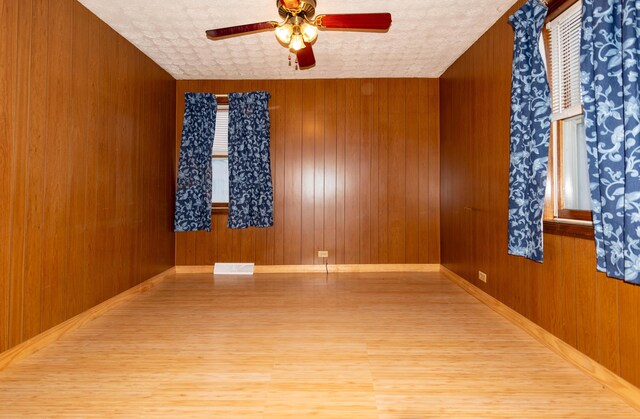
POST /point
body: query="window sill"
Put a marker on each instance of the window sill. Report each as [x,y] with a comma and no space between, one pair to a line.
[568,228]
[219,208]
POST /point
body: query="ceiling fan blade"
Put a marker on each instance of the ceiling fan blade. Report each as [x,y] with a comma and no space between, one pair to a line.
[221,33]
[306,58]
[356,21]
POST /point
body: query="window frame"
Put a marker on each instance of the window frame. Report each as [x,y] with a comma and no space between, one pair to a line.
[557,219]
[557,7]
[220,207]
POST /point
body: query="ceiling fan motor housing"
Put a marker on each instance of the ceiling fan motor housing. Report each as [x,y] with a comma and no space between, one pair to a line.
[306,7]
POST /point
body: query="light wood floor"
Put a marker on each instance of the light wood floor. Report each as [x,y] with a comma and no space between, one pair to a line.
[279,346]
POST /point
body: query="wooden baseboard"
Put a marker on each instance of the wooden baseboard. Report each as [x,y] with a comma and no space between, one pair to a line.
[47,337]
[280,269]
[194,269]
[627,391]
[284,269]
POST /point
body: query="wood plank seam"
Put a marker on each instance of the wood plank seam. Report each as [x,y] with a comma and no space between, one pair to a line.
[627,391]
[47,337]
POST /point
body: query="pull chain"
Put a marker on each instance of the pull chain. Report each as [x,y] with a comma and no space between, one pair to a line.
[297,67]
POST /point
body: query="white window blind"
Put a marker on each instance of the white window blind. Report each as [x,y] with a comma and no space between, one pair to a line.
[220,144]
[564,51]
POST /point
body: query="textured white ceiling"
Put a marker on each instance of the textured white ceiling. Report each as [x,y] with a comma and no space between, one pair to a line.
[425,38]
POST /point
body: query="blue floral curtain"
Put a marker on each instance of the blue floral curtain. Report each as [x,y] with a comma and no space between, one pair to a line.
[193,195]
[250,185]
[609,76]
[530,132]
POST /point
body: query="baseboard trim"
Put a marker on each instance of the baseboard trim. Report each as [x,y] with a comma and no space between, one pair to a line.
[47,337]
[627,391]
[300,269]
[349,268]
[205,269]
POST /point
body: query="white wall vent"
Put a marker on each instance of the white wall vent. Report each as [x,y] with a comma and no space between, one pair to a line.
[233,269]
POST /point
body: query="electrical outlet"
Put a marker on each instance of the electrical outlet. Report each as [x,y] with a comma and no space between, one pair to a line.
[323,254]
[482,276]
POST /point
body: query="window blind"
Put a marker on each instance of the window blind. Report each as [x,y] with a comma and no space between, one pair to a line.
[220,147]
[564,50]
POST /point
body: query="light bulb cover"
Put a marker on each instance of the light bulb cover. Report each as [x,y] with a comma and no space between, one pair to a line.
[297,42]
[284,32]
[309,32]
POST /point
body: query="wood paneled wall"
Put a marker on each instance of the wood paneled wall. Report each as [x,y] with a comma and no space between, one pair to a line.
[598,315]
[356,172]
[86,165]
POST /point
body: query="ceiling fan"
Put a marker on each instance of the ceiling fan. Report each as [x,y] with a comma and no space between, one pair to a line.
[299,29]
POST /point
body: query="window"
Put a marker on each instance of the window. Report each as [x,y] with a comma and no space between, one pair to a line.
[569,197]
[220,159]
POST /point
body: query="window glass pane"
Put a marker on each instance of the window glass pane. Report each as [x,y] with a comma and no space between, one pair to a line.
[220,184]
[575,172]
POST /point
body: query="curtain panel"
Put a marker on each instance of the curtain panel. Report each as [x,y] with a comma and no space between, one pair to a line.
[609,77]
[530,133]
[193,193]
[250,184]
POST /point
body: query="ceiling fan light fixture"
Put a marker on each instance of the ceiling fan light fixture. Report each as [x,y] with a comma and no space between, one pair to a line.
[309,32]
[297,42]
[284,33]
[299,28]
